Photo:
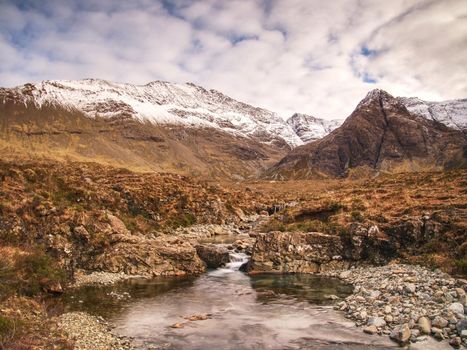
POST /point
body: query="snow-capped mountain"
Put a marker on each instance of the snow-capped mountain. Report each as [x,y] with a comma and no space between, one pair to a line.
[160,103]
[452,113]
[310,128]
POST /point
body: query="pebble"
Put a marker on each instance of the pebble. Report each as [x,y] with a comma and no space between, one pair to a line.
[406,301]
[90,332]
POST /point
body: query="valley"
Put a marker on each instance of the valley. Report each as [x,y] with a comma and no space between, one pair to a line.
[168,216]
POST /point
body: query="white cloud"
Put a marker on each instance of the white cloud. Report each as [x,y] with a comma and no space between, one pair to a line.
[296,55]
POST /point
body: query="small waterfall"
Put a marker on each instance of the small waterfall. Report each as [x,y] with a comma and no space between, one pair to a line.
[236,260]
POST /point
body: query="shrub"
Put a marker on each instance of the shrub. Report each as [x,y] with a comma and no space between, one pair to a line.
[28,274]
[7,330]
[357,216]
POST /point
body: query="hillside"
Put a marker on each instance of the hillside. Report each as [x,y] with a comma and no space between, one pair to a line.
[157,127]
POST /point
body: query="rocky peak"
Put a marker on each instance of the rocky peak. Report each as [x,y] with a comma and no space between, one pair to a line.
[379,135]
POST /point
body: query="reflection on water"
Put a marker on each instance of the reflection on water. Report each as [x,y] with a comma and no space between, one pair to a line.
[314,289]
[260,312]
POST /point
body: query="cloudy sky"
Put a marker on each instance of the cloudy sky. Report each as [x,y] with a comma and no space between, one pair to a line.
[312,56]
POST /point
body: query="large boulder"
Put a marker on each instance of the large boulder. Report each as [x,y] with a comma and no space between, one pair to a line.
[213,255]
[295,252]
[150,257]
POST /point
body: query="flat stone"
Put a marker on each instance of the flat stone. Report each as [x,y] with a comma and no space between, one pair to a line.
[370,329]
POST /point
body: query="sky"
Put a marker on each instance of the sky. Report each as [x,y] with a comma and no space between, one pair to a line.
[310,56]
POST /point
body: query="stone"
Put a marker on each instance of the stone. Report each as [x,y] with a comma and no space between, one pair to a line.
[376,321]
[439,322]
[294,252]
[401,334]
[213,255]
[455,342]
[370,329]
[457,308]
[387,309]
[409,288]
[424,325]
[345,274]
[461,325]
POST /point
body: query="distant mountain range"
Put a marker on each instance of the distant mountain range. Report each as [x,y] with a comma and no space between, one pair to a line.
[185,128]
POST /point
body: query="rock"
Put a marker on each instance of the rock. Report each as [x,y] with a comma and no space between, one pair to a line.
[409,288]
[455,342]
[345,274]
[213,255]
[457,308]
[177,325]
[387,309]
[117,225]
[370,329]
[424,325]
[461,325]
[439,322]
[294,252]
[376,321]
[460,292]
[401,334]
[197,317]
[437,333]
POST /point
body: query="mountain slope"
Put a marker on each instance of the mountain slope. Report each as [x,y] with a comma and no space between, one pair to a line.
[160,103]
[380,135]
[310,128]
[450,113]
[159,126]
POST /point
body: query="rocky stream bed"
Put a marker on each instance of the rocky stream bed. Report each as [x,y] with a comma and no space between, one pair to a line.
[224,308]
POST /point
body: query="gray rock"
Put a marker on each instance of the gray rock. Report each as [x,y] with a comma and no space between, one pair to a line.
[439,322]
[409,288]
[457,308]
[376,321]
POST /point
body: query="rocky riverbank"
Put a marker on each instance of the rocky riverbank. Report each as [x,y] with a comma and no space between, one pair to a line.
[91,333]
[407,303]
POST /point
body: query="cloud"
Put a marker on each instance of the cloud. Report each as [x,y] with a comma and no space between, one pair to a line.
[288,56]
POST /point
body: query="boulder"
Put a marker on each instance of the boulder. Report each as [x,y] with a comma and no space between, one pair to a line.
[213,255]
[294,252]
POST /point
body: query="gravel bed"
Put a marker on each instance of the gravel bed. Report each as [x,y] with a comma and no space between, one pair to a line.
[408,303]
[102,278]
[91,333]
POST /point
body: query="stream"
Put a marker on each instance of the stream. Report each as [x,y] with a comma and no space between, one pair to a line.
[237,311]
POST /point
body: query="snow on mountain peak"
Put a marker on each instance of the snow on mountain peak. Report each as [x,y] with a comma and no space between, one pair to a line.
[310,128]
[161,103]
[452,113]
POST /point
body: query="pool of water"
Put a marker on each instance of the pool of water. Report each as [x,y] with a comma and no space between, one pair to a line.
[238,312]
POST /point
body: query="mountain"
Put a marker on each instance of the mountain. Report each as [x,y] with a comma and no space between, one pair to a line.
[452,113]
[159,126]
[310,128]
[379,135]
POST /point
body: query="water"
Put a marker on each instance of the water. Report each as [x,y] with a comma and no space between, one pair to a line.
[273,312]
